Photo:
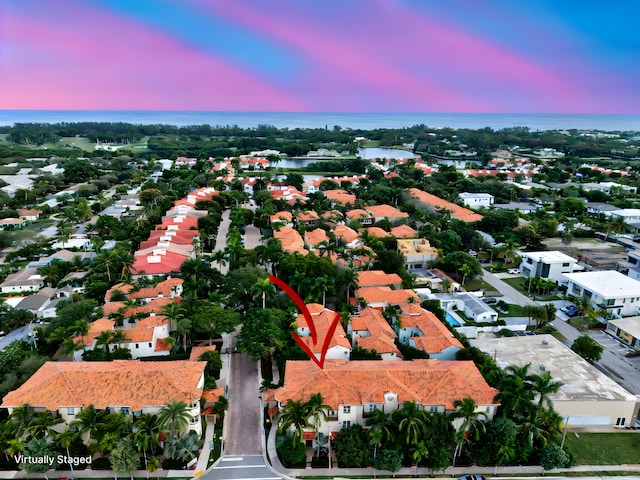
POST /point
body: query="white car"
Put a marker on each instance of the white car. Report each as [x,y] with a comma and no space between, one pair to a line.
[513,271]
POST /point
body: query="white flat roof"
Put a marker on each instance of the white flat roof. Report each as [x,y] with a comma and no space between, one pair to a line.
[552,256]
[474,195]
[581,380]
[606,283]
[627,212]
[631,325]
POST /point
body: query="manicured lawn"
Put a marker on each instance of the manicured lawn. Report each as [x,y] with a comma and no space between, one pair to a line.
[514,311]
[604,448]
[478,284]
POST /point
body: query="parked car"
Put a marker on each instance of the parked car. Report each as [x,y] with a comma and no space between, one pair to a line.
[490,300]
[513,271]
[473,477]
[570,310]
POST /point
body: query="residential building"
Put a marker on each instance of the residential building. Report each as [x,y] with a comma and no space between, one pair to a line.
[609,290]
[348,235]
[627,330]
[438,205]
[378,278]
[284,218]
[608,187]
[314,237]
[12,223]
[308,218]
[128,386]
[631,267]
[339,346]
[42,306]
[370,331]
[290,240]
[29,214]
[548,265]
[362,216]
[25,280]
[417,253]
[587,396]
[355,389]
[476,200]
[403,231]
[340,197]
[473,307]
[421,329]
[380,212]
[629,215]
[382,297]
[522,207]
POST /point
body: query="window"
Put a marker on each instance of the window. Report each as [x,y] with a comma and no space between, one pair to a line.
[149,344]
[125,410]
[588,293]
[346,423]
[433,409]
[620,421]
[346,409]
[137,346]
[529,260]
[71,411]
[609,302]
[566,264]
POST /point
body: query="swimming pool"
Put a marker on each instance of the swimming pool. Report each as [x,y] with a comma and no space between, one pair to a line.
[451,320]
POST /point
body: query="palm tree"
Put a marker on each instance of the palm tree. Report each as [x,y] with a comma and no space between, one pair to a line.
[471,426]
[65,439]
[70,346]
[184,329]
[294,414]
[323,284]
[318,411]
[42,425]
[89,421]
[509,253]
[543,385]
[515,391]
[379,421]
[146,434]
[262,288]
[174,417]
[220,257]
[349,279]
[411,421]
[20,419]
[464,270]
[174,313]
[420,452]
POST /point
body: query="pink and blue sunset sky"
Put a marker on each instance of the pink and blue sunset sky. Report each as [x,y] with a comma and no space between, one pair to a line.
[494,56]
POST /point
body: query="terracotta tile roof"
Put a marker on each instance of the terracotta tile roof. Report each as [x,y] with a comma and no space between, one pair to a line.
[290,240]
[457,212]
[104,384]
[281,217]
[381,335]
[386,295]
[386,211]
[380,344]
[341,382]
[122,287]
[165,264]
[377,278]
[155,305]
[404,231]
[199,350]
[436,337]
[307,216]
[358,214]
[313,237]
[375,232]
[144,328]
[340,196]
[322,318]
[95,328]
[161,289]
[212,395]
[162,345]
[345,233]
[180,237]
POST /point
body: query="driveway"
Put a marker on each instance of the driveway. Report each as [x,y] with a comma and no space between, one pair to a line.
[221,240]
[243,430]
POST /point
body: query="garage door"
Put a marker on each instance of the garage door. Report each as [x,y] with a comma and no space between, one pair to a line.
[588,420]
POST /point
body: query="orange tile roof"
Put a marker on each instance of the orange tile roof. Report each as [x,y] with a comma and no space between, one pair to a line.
[386,211]
[281,217]
[95,329]
[358,214]
[162,288]
[345,233]
[436,337]
[121,287]
[290,240]
[199,350]
[386,295]
[375,232]
[340,196]
[341,382]
[307,216]
[143,330]
[457,212]
[322,318]
[381,335]
[404,231]
[105,384]
[162,345]
[212,395]
[315,236]
[377,278]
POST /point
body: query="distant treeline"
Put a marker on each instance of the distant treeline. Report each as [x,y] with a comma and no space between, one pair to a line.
[200,140]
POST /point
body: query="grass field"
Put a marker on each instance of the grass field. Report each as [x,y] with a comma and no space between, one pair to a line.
[604,448]
[81,142]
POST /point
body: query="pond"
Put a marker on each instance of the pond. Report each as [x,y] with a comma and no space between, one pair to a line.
[369,153]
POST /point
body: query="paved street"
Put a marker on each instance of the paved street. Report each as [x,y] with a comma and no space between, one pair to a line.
[221,240]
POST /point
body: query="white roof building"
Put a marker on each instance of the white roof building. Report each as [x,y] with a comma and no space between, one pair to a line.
[587,396]
[550,265]
[608,289]
[476,200]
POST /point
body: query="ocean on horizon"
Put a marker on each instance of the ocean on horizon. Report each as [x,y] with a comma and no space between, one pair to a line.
[363,121]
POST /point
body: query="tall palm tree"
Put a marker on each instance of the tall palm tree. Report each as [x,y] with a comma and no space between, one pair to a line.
[88,422]
[183,329]
[174,313]
[323,285]
[42,425]
[65,439]
[70,346]
[509,253]
[294,414]
[20,419]
[471,426]
[411,422]
[543,385]
[174,417]
[263,288]
[146,434]
[318,411]
[515,391]
[349,278]
[379,421]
